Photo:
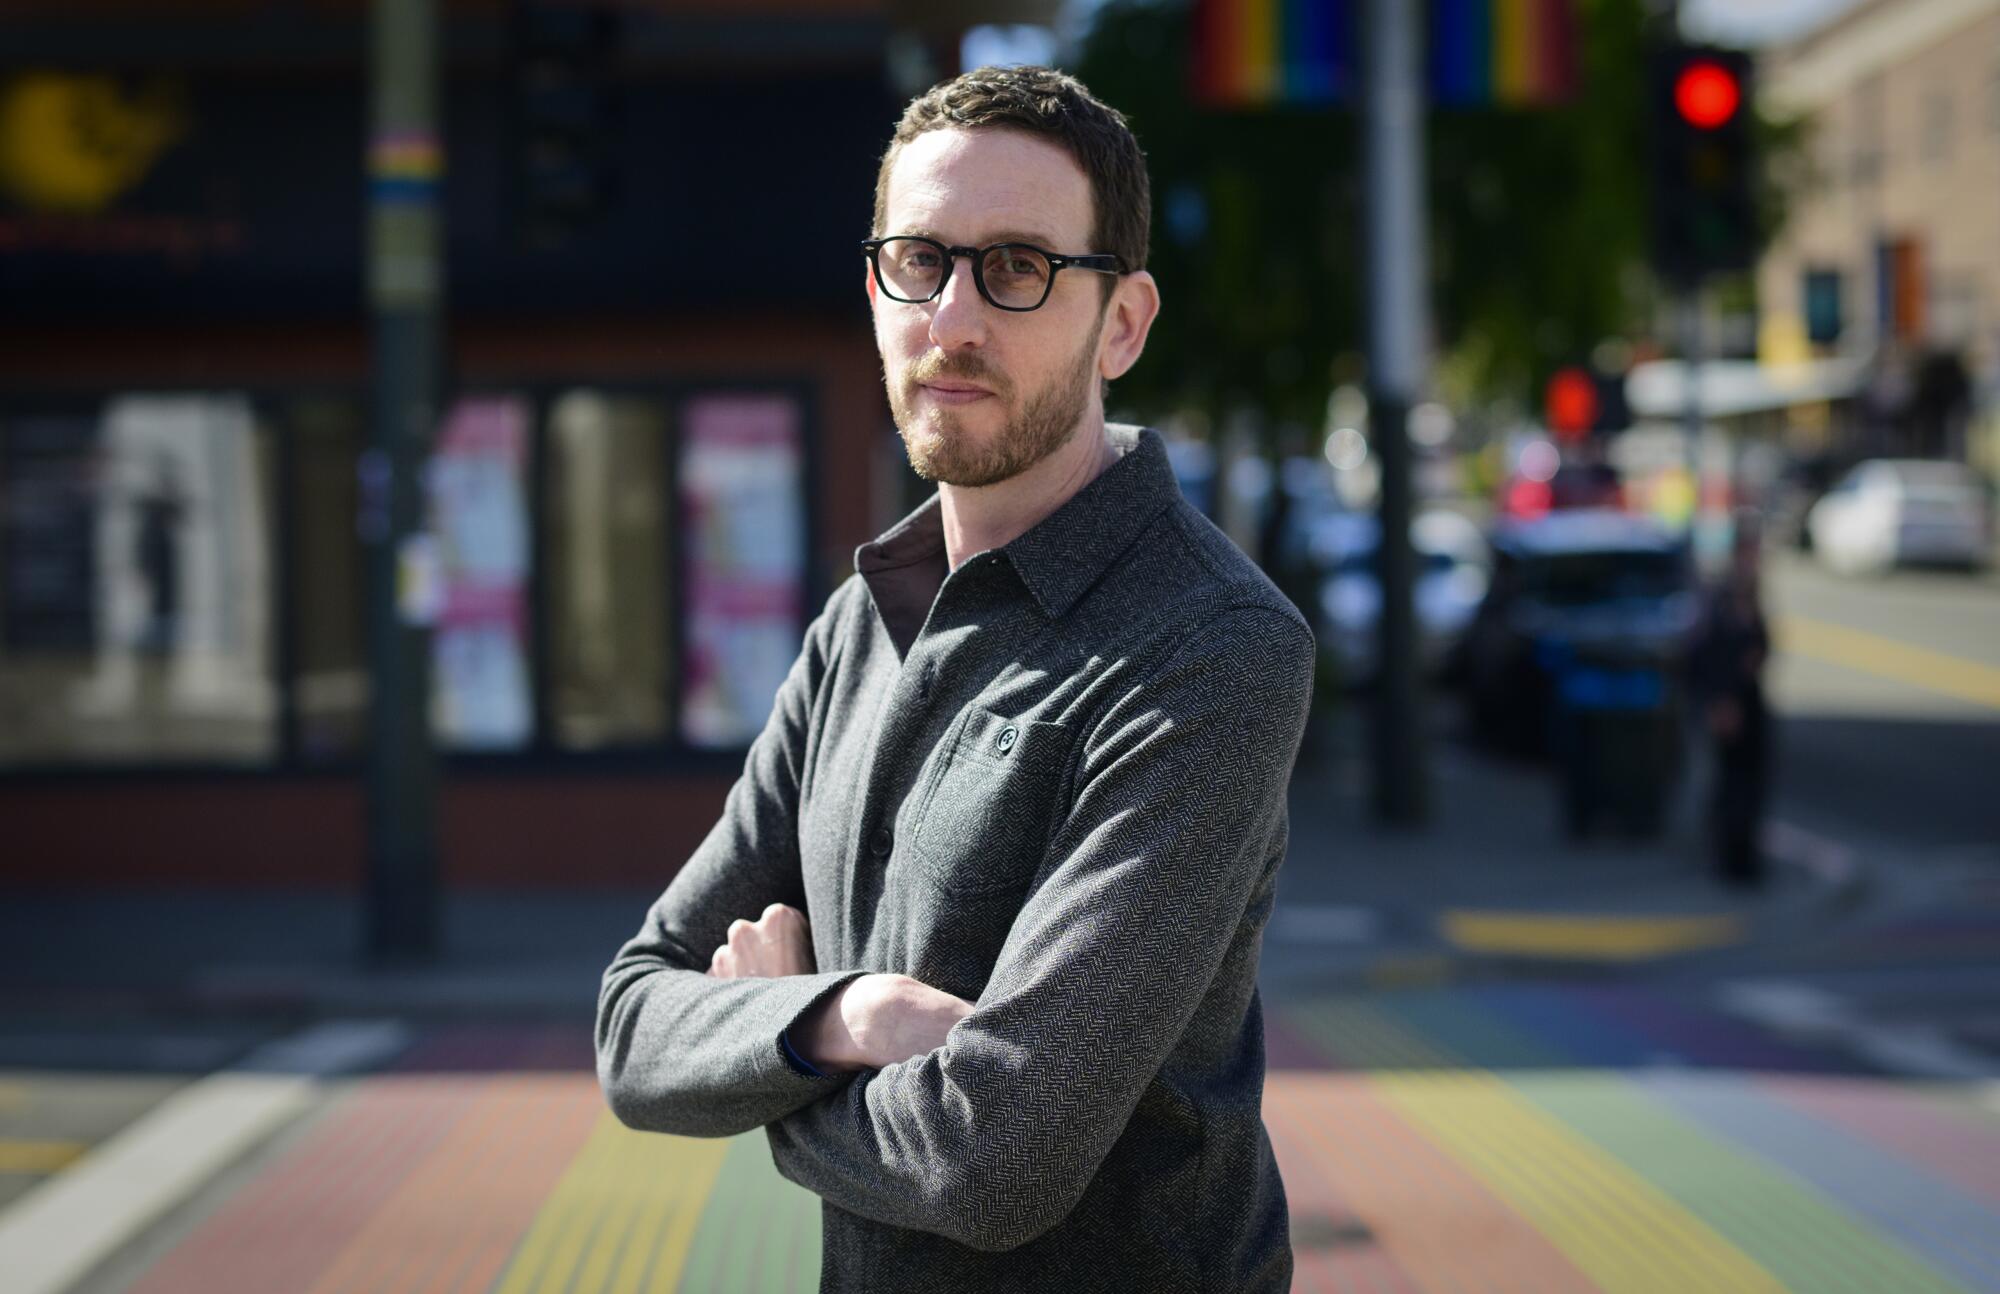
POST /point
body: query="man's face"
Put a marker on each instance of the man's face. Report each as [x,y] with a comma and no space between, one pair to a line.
[981,394]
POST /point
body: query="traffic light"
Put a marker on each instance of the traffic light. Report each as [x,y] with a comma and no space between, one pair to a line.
[1569,403]
[1704,162]
[564,123]
[1581,401]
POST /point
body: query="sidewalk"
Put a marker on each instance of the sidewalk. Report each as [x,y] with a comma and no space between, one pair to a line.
[1489,887]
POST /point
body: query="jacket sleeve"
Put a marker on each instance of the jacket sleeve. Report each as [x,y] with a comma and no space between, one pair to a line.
[1177,816]
[678,1051]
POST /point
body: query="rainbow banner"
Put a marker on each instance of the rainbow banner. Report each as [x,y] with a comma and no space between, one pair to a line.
[1301,53]
[1503,53]
[1260,53]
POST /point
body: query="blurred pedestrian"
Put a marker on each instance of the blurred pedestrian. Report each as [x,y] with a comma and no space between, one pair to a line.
[1730,651]
[976,938]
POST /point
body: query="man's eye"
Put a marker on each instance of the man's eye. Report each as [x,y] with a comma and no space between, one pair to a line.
[1020,266]
[922,262]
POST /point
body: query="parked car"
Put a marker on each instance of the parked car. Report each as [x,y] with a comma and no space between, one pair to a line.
[1452,561]
[1888,512]
[1528,494]
[1802,482]
[1597,584]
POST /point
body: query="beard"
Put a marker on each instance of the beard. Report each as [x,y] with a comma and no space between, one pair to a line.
[940,447]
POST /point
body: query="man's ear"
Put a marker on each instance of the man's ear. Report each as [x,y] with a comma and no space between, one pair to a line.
[1135,303]
[868,272]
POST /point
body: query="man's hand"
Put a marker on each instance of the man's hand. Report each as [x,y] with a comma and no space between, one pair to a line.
[776,944]
[878,1020]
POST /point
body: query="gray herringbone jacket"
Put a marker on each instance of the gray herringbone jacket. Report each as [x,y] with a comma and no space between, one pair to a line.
[1053,783]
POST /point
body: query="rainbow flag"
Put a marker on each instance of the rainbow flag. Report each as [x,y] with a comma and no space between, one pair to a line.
[1505,53]
[1269,53]
[1259,53]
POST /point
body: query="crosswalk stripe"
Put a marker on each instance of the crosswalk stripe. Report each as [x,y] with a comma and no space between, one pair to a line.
[71,1222]
[1617,1227]
[1409,1191]
[663,1179]
[1722,1171]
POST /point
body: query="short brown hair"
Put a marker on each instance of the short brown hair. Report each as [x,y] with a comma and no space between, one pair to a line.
[1051,105]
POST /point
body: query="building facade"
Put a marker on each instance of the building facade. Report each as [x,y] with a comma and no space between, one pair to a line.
[665,430]
[1891,250]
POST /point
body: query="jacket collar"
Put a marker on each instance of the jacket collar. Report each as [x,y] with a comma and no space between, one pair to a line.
[1066,552]
[1058,559]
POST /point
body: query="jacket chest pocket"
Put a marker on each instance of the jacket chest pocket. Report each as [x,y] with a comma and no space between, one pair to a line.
[984,819]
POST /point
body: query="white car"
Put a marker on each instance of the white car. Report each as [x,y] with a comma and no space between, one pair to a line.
[1452,559]
[1889,511]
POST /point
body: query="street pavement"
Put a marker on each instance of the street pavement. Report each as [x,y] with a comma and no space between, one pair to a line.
[1498,1062]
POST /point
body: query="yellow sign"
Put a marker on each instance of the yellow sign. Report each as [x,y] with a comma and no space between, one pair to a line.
[1781,341]
[71,144]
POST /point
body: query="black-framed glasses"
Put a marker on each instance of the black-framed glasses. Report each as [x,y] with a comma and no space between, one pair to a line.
[1011,276]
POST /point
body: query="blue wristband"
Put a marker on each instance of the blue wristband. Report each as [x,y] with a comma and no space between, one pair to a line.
[799,1062]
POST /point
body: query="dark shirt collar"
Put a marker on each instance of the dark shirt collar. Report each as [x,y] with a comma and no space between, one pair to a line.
[1059,558]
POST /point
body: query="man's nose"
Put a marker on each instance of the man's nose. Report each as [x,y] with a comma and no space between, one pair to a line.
[959,319]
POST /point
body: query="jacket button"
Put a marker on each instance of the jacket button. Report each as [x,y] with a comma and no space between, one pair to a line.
[882,842]
[1005,741]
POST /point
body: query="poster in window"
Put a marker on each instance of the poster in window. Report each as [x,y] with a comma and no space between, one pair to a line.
[743,526]
[481,698]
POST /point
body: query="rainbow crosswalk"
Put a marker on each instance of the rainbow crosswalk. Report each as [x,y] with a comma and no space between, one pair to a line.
[1509,1138]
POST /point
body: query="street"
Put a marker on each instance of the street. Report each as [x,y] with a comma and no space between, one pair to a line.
[1805,1101]
[1890,691]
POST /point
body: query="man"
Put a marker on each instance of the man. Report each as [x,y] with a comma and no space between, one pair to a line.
[976,938]
[1727,668]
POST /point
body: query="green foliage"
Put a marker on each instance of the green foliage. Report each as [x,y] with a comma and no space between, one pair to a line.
[1538,225]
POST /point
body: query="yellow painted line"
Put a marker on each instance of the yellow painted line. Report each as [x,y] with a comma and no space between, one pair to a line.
[1623,1233]
[629,1197]
[1854,649]
[1619,1230]
[39,1157]
[1588,937]
[1600,1237]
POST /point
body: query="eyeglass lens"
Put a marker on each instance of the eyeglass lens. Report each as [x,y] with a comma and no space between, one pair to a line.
[1016,277]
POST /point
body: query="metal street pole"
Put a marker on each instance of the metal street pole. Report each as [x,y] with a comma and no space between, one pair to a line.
[1397,338]
[1691,414]
[406,290]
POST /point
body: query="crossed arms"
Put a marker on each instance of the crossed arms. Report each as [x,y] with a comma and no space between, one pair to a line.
[989,1133]
[868,1023]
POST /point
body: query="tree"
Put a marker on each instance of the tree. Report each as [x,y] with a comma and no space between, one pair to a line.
[1538,225]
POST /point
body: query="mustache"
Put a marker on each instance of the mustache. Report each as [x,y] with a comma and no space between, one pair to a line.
[966,365]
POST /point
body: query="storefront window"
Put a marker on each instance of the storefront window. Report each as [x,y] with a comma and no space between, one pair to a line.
[330,685]
[151,549]
[609,591]
[743,538]
[135,593]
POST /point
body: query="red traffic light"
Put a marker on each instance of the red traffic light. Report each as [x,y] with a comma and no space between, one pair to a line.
[1570,405]
[1707,94]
